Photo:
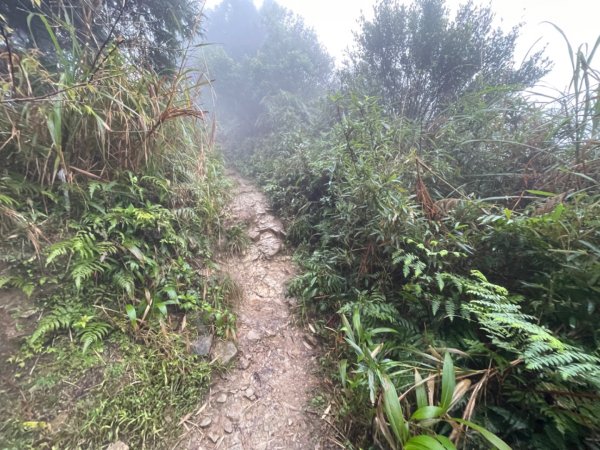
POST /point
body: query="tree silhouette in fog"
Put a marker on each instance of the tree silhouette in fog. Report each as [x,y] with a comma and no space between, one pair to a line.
[418,58]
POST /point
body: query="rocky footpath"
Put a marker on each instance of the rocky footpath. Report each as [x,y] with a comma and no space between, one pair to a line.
[269,399]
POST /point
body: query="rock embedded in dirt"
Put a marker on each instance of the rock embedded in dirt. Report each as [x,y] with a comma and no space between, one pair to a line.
[244,363]
[249,394]
[227,426]
[205,422]
[202,345]
[253,335]
[221,398]
[254,235]
[119,445]
[233,414]
[269,245]
[224,351]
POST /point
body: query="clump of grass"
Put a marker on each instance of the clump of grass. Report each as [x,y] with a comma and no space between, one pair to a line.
[236,240]
[233,292]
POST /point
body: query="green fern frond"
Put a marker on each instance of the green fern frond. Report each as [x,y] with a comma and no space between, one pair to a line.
[516,332]
[93,332]
[61,318]
[21,283]
[84,269]
[124,281]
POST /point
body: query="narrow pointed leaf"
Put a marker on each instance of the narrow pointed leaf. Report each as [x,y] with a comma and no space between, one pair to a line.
[420,390]
[393,410]
[491,437]
[423,442]
[448,382]
[428,412]
[446,443]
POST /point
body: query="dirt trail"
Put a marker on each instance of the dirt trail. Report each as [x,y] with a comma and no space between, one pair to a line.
[267,400]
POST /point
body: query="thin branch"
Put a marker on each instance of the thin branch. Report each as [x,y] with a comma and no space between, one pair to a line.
[95,68]
[11,67]
[55,93]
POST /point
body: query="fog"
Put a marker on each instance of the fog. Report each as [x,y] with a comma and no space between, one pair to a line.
[335,21]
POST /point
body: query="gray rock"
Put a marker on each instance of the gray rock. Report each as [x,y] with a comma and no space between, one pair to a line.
[202,345]
[233,414]
[227,426]
[205,422]
[253,335]
[244,363]
[119,445]
[222,398]
[224,351]
[249,394]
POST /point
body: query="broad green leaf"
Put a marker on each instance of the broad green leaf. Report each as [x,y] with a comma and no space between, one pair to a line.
[343,368]
[423,442]
[356,323]
[541,193]
[347,328]
[447,443]
[591,246]
[131,314]
[162,308]
[382,330]
[428,412]
[491,437]
[135,251]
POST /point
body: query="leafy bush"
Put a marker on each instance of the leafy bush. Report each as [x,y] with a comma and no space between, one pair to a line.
[373,242]
[110,203]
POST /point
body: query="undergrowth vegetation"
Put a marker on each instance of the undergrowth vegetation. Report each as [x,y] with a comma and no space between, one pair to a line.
[447,225]
[110,208]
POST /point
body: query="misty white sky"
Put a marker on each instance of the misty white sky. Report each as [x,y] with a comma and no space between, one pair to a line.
[334,21]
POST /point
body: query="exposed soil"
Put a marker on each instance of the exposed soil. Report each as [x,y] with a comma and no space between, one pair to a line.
[17,319]
[270,398]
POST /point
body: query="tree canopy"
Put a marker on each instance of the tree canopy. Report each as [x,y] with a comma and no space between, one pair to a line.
[151,30]
[418,58]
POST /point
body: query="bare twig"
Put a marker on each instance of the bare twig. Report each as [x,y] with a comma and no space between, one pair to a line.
[11,67]
[105,43]
[56,92]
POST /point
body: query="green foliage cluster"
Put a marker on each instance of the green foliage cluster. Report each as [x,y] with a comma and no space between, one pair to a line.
[463,223]
[368,245]
[420,60]
[110,206]
[151,32]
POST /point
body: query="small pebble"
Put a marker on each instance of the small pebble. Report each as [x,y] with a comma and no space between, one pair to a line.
[205,422]
[227,426]
[249,393]
[222,398]
[244,363]
[253,335]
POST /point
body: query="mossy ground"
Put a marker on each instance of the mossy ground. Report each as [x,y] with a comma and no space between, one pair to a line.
[133,388]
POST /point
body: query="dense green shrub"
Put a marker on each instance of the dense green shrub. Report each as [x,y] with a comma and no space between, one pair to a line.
[356,206]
